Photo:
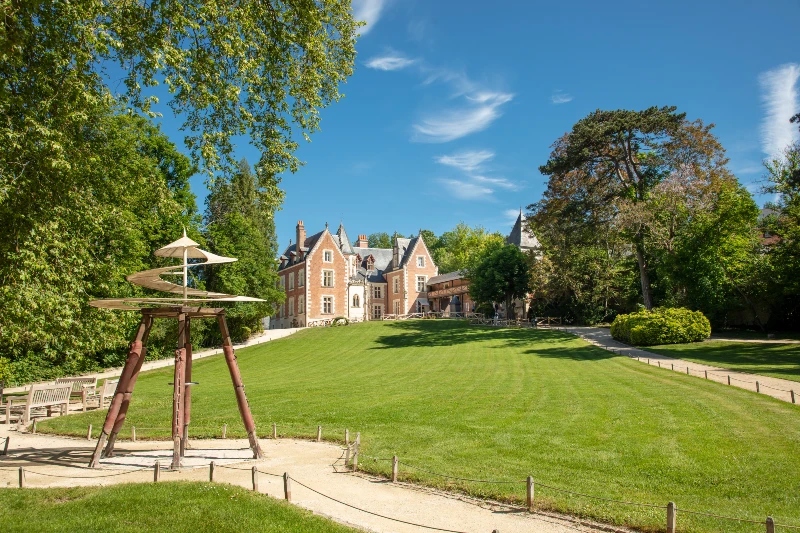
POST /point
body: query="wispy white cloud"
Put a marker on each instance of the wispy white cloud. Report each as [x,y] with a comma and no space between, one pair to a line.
[560,97]
[779,93]
[369,11]
[483,108]
[390,62]
[468,161]
[464,190]
[496,182]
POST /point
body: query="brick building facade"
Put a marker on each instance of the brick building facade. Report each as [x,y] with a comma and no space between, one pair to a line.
[325,276]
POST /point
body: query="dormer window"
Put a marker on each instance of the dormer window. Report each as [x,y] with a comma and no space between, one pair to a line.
[370,263]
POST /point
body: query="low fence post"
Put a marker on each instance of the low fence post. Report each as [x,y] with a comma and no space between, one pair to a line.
[89,433]
[395,468]
[211,471]
[133,433]
[156,472]
[33,430]
[673,366]
[687,370]
[770,525]
[671,518]
[319,433]
[274,430]
[255,479]
[758,387]
[729,379]
[659,364]
[347,437]
[287,487]
[706,374]
[355,452]
[224,431]
[5,446]
[529,495]
[21,478]
[792,391]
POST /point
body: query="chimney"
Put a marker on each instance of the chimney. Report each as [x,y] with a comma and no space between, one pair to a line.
[362,242]
[301,235]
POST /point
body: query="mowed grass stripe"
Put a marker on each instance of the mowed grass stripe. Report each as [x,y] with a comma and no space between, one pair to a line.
[502,404]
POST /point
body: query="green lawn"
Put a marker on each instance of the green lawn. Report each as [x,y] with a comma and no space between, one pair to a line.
[149,507]
[503,404]
[775,360]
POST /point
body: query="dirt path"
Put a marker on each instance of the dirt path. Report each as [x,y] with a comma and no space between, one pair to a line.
[317,465]
[775,387]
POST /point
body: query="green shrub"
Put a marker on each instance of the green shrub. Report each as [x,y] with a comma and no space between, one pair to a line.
[340,321]
[661,326]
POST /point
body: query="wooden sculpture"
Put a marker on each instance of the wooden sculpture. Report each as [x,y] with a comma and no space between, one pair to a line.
[181,308]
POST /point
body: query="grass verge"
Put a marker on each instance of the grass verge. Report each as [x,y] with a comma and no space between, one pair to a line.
[148,507]
[774,360]
[501,404]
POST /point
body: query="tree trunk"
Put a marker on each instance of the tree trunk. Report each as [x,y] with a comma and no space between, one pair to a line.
[647,293]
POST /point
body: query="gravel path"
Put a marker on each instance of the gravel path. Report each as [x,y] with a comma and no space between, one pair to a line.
[775,387]
[316,465]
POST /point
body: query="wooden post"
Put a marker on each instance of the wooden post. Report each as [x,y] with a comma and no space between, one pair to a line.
[5,446]
[211,471]
[347,437]
[33,430]
[224,431]
[671,518]
[187,389]
[356,446]
[274,430]
[659,364]
[319,433]
[529,498]
[673,366]
[395,465]
[758,387]
[770,525]
[792,391]
[125,386]
[133,433]
[89,433]
[21,478]
[687,370]
[729,379]
[238,386]
[177,393]
[706,374]
[255,479]
[346,455]
[648,360]
[287,487]
[156,472]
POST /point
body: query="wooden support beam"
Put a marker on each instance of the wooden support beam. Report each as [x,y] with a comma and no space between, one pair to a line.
[187,389]
[177,394]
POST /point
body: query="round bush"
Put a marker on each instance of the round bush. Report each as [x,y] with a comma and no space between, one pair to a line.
[661,326]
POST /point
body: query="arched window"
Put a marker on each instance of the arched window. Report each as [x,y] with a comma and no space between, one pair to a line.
[356,301]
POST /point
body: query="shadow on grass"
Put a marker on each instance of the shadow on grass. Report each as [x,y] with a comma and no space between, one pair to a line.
[780,359]
[432,333]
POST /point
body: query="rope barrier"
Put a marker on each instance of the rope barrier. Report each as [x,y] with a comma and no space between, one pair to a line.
[86,477]
[376,514]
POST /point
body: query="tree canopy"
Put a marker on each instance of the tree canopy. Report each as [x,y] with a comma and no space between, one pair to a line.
[501,275]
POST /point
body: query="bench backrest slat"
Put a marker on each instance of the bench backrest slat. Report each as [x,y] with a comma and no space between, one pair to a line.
[42,395]
[109,388]
[77,383]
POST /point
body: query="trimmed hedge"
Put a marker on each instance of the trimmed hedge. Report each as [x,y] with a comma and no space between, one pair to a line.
[675,325]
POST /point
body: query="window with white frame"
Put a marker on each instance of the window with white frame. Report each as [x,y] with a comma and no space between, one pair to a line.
[283,283]
[291,280]
[421,261]
[356,301]
[327,256]
[397,307]
[291,306]
[301,305]
[377,311]
[396,285]
[377,291]
[301,277]
[327,305]
[421,283]
[327,278]
[420,307]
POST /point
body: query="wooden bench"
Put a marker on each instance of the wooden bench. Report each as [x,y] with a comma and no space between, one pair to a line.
[42,395]
[106,392]
[81,387]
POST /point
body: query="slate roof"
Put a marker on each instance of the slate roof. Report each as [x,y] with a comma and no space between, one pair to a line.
[520,237]
[292,248]
[344,242]
[450,276]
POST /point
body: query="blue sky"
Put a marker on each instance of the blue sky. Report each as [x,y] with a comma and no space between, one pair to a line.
[454,104]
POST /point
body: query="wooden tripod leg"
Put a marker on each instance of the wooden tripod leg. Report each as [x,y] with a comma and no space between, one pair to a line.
[187,389]
[134,354]
[126,398]
[177,395]
[238,386]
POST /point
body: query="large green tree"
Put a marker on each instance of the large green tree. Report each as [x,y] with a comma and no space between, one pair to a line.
[463,246]
[240,222]
[501,275]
